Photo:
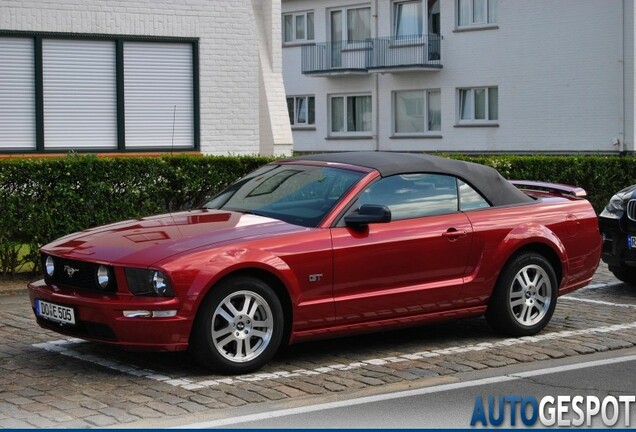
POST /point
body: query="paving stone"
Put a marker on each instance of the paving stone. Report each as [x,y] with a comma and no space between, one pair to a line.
[100,420]
[165,408]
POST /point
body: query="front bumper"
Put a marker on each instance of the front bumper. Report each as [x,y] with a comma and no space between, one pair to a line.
[615,248]
[100,318]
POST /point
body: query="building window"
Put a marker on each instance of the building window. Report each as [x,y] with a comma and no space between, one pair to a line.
[159,103]
[476,12]
[298,27]
[417,111]
[98,93]
[80,94]
[478,105]
[17,94]
[351,24]
[301,110]
[407,19]
[351,114]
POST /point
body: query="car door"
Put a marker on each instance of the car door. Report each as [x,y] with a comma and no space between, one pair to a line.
[413,264]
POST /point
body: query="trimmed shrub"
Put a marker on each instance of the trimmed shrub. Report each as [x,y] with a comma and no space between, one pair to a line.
[43,199]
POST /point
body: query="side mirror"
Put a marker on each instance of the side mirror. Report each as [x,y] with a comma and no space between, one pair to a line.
[368,214]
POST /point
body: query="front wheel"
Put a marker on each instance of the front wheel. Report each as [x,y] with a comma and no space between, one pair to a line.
[239,326]
[624,273]
[525,296]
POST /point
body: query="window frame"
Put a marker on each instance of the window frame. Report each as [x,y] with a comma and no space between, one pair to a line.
[295,40]
[491,18]
[394,21]
[472,121]
[346,133]
[425,115]
[119,41]
[346,42]
[295,124]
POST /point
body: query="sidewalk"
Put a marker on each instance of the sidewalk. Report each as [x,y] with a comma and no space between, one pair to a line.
[17,285]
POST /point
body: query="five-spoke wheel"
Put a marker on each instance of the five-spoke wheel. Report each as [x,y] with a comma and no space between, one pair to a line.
[525,296]
[239,326]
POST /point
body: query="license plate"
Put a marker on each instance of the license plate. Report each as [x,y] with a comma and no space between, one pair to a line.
[54,312]
[631,242]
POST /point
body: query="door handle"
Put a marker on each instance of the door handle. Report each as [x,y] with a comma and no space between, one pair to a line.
[453,234]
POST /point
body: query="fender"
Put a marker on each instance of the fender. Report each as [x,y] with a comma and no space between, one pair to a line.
[478,285]
[201,271]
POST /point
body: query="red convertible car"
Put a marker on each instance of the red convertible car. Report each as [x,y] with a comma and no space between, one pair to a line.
[321,246]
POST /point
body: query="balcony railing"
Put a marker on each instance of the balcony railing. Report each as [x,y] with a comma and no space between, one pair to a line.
[388,53]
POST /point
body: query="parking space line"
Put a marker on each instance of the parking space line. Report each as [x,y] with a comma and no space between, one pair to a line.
[65,347]
[599,302]
[602,285]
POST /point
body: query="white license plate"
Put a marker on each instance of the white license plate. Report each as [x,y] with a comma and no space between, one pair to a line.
[54,312]
[631,242]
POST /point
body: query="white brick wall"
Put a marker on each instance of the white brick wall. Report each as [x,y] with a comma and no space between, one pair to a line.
[229,66]
[559,66]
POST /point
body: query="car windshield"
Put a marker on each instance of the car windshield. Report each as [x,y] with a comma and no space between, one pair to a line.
[298,194]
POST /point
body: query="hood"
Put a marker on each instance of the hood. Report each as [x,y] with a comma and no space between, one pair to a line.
[142,242]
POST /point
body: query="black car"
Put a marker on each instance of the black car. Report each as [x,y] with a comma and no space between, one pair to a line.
[617,224]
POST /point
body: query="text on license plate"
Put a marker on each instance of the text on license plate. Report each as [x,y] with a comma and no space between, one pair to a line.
[631,242]
[54,312]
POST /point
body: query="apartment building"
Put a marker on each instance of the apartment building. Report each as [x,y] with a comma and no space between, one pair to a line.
[460,75]
[114,76]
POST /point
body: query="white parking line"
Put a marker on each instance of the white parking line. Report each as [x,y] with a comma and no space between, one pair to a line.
[599,302]
[602,285]
[398,395]
[65,347]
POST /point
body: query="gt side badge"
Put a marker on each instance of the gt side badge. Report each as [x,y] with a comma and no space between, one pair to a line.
[315,277]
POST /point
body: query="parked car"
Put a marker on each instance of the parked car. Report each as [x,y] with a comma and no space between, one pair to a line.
[321,246]
[617,223]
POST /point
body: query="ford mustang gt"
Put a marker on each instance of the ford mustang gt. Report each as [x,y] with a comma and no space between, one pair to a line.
[322,246]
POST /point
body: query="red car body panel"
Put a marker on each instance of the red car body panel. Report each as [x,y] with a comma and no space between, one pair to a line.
[338,280]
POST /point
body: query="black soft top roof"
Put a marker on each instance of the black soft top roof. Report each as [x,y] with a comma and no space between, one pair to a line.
[485,179]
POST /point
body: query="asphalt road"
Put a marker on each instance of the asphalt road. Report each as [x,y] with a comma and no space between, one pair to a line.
[452,405]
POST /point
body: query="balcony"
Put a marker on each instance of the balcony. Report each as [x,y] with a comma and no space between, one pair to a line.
[388,54]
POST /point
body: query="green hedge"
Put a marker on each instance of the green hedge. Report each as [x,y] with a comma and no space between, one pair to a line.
[43,199]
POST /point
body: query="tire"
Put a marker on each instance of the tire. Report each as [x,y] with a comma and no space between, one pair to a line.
[624,274]
[239,326]
[524,297]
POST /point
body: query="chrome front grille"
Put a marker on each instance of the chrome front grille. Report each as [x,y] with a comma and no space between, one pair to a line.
[631,209]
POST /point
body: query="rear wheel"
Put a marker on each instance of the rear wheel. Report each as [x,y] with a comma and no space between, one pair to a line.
[525,296]
[624,273]
[239,326]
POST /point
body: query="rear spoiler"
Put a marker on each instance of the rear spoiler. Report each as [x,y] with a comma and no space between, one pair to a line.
[560,189]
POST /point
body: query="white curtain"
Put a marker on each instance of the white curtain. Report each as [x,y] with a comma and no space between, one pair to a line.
[434,111]
[408,19]
[358,24]
[409,112]
[464,12]
[465,104]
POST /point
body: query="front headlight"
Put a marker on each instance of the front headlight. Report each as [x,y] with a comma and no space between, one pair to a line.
[148,282]
[618,203]
[103,276]
[49,266]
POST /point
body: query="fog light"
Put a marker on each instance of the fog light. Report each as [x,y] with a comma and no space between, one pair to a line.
[102,276]
[137,314]
[164,313]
